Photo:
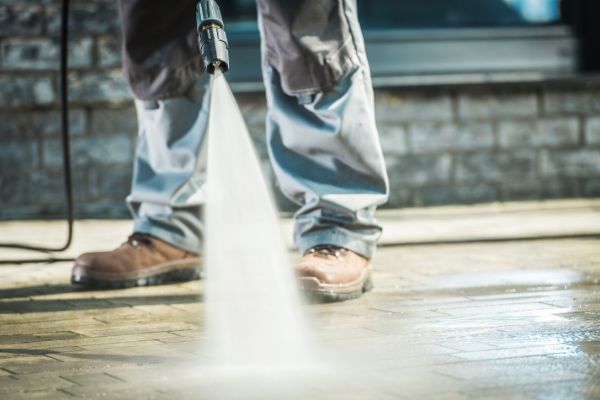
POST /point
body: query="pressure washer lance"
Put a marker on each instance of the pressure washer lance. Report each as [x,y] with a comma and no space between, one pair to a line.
[212,40]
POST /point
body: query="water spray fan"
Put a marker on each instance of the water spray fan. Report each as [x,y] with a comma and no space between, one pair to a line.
[212,40]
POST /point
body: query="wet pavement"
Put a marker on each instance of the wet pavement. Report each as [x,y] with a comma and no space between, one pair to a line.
[517,319]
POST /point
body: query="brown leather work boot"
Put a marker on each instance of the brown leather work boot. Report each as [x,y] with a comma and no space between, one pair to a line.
[331,273]
[142,260]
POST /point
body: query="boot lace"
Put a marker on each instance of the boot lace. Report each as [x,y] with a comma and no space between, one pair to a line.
[326,250]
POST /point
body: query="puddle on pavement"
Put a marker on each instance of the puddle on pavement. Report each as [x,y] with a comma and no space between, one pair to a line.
[508,281]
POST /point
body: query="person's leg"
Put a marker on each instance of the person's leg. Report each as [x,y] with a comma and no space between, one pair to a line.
[168,173]
[161,59]
[327,158]
[322,139]
[164,70]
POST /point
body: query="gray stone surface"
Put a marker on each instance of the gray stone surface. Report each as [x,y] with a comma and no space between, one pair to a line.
[103,87]
[26,90]
[592,131]
[485,104]
[91,150]
[496,167]
[561,188]
[110,183]
[401,196]
[393,139]
[528,189]
[21,19]
[591,187]
[411,171]
[114,121]
[428,137]
[556,132]
[402,106]
[456,194]
[17,155]
[109,51]
[43,53]
[38,53]
[87,17]
[31,124]
[43,188]
[575,163]
[577,101]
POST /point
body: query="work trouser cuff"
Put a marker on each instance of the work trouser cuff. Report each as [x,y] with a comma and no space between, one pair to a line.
[337,237]
[191,245]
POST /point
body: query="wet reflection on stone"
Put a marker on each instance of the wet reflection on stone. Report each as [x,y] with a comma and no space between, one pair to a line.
[510,281]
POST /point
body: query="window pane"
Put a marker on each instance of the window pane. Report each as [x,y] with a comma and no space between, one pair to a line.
[239,14]
[537,11]
[411,14]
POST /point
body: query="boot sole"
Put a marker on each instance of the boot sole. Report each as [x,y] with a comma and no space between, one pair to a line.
[317,292]
[171,275]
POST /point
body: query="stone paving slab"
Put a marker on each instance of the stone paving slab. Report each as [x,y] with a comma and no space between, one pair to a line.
[509,319]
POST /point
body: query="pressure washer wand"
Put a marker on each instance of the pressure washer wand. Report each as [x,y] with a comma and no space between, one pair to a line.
[212,40]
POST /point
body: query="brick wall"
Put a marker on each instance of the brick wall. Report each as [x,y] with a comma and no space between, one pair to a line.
[444,145]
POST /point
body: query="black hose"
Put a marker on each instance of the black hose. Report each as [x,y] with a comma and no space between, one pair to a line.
[64,119]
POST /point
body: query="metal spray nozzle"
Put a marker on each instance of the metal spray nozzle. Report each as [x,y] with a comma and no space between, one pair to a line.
[212,40]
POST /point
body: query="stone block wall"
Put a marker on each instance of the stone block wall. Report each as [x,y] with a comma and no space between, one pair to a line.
[102,120]
[472,144]
[456,144]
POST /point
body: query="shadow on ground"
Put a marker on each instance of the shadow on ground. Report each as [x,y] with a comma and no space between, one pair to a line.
[128,359]
[29,305]
[36,290]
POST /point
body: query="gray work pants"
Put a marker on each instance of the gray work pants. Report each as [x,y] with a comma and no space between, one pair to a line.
[321,131]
